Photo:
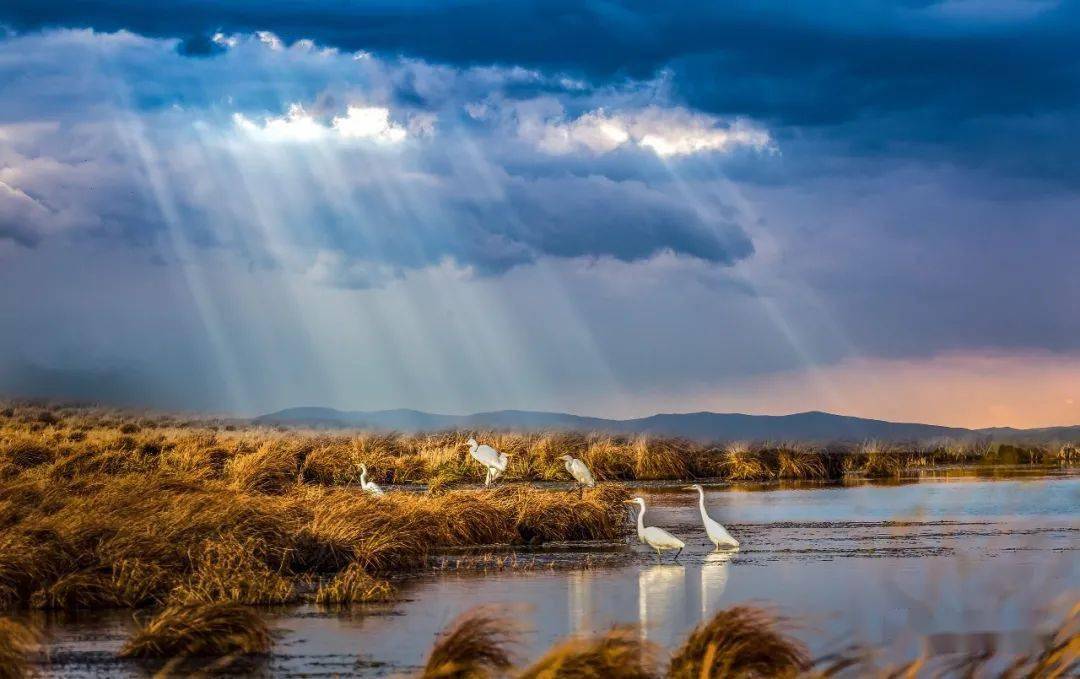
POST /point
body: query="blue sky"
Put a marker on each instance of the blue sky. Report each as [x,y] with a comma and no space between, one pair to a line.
[600,207]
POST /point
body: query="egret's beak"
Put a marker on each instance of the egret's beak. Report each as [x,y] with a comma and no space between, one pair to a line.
[689,488]
[629,502]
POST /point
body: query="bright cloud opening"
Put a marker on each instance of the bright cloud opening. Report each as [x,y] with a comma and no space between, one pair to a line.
[359,122]
[666,131]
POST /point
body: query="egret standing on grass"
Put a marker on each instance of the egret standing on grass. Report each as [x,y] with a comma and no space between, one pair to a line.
[579,471]
[657,538]
[718,535]
[368,486]
[493,460]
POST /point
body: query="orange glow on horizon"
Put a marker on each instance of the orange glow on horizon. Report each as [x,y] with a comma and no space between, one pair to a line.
[960,390]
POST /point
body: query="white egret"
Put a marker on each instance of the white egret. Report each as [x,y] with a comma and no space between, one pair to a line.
[718,535]
[657,538]
[493,460]
[368,486]
[578,470]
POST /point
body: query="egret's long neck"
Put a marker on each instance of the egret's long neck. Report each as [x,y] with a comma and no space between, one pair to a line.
[363,476]
[473,447]
[701,501]
[641,520]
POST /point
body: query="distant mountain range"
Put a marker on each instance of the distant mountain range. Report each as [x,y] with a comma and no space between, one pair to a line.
[811,426]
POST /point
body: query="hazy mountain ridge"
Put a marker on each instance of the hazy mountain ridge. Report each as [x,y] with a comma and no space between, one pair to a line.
[814,425]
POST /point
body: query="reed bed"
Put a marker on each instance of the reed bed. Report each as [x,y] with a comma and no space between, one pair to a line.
[132,540]
[76,441]
[131,515]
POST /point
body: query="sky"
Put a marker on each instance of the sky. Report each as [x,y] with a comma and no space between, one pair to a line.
[606,208]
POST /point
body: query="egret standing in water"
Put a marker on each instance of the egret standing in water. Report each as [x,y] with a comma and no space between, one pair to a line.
[493,460]
[368,486]
[657,538]
[579,471]
[718,535]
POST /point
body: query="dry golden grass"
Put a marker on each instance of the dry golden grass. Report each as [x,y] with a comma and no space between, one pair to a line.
[163,516]
[1059,657]
[70,442]
[104,508]
[744,463]
[218,635]
[16,641]
[739,642]
[228,569]
[618,654]
[353,585]
[475,646]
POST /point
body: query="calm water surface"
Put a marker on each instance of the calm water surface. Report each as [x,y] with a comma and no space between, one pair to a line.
[930,565]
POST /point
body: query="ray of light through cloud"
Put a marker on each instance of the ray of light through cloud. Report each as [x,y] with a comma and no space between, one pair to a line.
[365,228]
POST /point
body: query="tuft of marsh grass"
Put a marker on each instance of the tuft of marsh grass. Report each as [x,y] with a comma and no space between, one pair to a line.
[271,469]
[475,646]
[801,462]
[740,641]
[353,585]
[743,463]
[230,570]
[1059,656]
[16,641]
[221,635]
[618,654]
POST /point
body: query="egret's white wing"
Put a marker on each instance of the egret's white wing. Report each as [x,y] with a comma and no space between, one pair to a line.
[487,456]
[580,472]
[719,535]
[658,537]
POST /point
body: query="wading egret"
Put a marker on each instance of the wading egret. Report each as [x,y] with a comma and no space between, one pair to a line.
[657,538]
[718,535]
[493,460]
[578,470]
[368,486]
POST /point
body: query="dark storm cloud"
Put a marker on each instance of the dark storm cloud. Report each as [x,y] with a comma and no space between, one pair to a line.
[147,143]
[688,193]
[800,63]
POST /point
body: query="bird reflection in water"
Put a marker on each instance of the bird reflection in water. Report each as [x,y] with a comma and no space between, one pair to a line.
[714,577]
[579,604]
[661,601]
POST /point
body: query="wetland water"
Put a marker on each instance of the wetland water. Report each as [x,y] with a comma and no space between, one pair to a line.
[941,564]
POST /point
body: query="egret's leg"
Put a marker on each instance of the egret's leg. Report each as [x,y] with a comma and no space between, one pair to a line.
[657,554]
[487,477]
[678,553]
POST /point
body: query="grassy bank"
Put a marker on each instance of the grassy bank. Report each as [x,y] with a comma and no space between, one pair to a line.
[73,441]
[96,516]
